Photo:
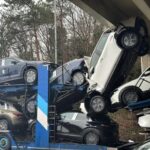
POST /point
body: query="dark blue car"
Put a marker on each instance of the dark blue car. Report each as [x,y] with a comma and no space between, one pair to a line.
[14,69]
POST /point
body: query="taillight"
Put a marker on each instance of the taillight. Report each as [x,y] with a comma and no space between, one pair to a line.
[18,114]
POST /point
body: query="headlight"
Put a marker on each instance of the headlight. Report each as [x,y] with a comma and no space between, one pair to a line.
[78,78]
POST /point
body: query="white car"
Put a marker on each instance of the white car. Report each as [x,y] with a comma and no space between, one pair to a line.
[133,91]
[112,59]
[144,118]
[144,121]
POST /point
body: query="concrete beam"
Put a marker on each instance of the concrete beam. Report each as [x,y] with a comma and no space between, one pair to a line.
[92,12]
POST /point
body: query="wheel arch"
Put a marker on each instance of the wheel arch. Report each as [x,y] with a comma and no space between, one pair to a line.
[28,67]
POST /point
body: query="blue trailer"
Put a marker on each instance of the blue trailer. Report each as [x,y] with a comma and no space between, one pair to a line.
[44,131]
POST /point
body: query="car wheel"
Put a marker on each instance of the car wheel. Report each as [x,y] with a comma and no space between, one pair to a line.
[5,142]
[4,125]
[78,78]
[97,105]
[30,108]
[92,137]
[30,76]
[129,95]
[128,39]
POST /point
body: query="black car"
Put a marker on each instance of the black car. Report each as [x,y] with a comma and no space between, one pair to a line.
[14,69]
[77,127]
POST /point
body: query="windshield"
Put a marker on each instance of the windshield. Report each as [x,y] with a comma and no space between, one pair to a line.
[98,50]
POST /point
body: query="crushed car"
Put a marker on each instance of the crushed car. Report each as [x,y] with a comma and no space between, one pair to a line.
[67,86]
[112,59]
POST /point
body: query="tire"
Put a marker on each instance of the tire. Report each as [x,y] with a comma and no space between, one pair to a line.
[96,101]
[127,93]
[5,142]
[77,81]
[30,76]
[29,114]
[4,124]
[91,137]
[120,39]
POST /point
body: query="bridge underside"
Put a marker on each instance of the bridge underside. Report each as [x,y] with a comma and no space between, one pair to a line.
[113,12]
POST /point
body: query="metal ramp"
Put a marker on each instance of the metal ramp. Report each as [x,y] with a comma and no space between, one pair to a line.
[52,123]
[139,105]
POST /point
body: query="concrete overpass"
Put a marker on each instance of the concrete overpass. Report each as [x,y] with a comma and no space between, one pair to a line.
[114,11]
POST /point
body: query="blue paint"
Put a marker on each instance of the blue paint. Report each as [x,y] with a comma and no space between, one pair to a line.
[42,104]
[140,104]
[41,135]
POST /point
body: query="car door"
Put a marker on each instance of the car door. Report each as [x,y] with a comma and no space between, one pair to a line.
[66,95]
[68,129]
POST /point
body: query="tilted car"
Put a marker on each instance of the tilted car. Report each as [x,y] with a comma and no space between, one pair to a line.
[67,86]
[77,127]
[112,59]
[13,69]
[133,91]
[11,119]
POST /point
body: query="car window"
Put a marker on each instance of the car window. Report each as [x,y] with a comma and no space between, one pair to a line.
[67,116]
[8,61]
[81,116]
[98,50]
